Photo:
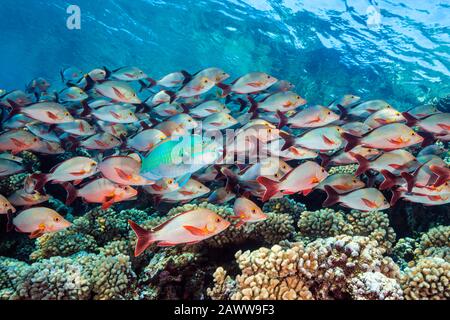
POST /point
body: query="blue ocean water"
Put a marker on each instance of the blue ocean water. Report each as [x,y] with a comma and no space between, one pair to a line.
[396,50]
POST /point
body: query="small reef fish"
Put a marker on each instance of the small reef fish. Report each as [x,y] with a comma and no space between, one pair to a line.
[17,140]
[367,199]
[249,83]
[185,228]
[123,170]
[301,179]
[246,211]
[100,191]
[38,221]
[311,117]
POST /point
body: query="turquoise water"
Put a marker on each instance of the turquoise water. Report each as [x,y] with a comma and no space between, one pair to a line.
[326,48]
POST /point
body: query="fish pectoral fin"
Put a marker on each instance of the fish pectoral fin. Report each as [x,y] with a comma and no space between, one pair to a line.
[51,115]
[36,234]
[239,224]
[78,173]
[369,203]
[122,174]
[196,231]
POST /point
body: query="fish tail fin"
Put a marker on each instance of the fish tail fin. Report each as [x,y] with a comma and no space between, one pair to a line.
[15,108]
[289,140]
[151,83]
[364,164]
[332,197]
[9,223]
[271,187]
[74,143]
[86,109]
[253,104]
[242,104]
[144,125]
[410,180]
[187,76]
[232,178]
[172,95]
[410,120]
[41,179]
[185,108]
[107,72]
[389,180]
[343,111]
[226,89]
[144,238]
[395,197]
[283,119]
[442,173]
[428,139]
[71,193]
[352,141]
[143,107]
[325,159]
[90,83]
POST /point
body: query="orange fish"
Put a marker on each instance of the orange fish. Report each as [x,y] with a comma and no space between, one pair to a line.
[185,228]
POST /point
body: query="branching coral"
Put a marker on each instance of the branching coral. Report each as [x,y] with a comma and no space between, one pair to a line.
[80,277]
[351,168]
[327,223]
[285,206]
[429,279]
[331,268]
[435,242]
[63,243]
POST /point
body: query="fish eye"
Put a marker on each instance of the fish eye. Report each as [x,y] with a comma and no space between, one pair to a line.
[217,220]
[93,164]
[200,187]
[125,188]
[276,175]
[130,113]
[323,170]
[413,133]
[354,181]
[284,167]
[205,81]
[6,205]
[270,130]
[66,113]
[397,114]
[56,219]
[329,112]
[254,210]
[190,120]
[388,106]
[35,139]
[170,181]
[268,77]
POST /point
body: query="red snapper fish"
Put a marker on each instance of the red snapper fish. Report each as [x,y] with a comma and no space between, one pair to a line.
[389,137]
[117,91]
[100,191]
[383,117]
[39,220]
[310,117]
[301,179]
[185,228]
[197,86]
[278,102]
[394,161]
[367,199]
[341,183]
[74,169]
[438,123]
[249,83]
[17,140]
[47,112]
[123,170]
[246,211]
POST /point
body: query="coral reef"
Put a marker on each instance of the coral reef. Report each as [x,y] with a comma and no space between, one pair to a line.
[351,168]
[428,279]
[331,268]
[80,277]
[285,205]
[327,223]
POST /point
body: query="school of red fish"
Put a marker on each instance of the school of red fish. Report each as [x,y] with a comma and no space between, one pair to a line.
[200,136]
